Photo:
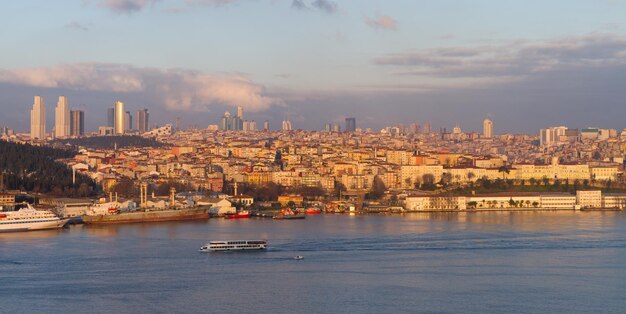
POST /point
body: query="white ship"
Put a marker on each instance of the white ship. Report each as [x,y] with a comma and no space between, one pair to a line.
[237,245]
[110,208]
[28,219]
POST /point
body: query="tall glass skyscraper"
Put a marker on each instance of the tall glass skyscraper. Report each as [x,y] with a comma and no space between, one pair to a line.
[350,124]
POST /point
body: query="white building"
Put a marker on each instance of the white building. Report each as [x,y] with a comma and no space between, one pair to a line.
[487,128]
[589,199]
[62,118]
[119,117]
[38,119]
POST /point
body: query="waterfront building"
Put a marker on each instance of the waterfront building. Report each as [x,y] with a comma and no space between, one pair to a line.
[119,117]
[77,123]
[487,128]
[350,124]
[62,118]
[38,119]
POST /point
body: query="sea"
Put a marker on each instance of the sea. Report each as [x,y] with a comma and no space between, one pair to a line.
[483,262]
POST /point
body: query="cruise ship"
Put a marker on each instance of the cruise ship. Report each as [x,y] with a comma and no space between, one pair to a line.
[236,245]
[29,219]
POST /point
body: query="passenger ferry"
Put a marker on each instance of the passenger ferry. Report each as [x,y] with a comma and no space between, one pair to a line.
[28,219]
[237,245]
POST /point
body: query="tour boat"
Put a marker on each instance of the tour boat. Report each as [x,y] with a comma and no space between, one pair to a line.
[241,214]
[29,219]
[236,245]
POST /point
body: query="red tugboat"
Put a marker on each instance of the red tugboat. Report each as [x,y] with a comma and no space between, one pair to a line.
[312,211]
[239,215]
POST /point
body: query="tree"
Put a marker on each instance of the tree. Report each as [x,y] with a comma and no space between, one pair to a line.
[378,189]
[339,188]
[446,178]
[472,204]
[504,170]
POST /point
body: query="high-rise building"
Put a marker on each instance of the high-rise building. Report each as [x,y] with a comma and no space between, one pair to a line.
[327,127]
[487,128]
[287,125]
[128,121]
[77,123]
[119,117]
[62,118]
[426,129]
[38,119]
[252,126]
[552,135]
[111,117]
[142,118]
[350,124]
[240,112]
[266,125]
[225,122]
[336,127]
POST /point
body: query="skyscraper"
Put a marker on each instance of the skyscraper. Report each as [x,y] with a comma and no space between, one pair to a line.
[427,128]
[487,128]
[350,124]
[142,120]
[266,125]
[119,117]
[77,123]
[287,125]
[240,112]
[225,122]
[38,119]
[111,117]
[62,118]
[128,121]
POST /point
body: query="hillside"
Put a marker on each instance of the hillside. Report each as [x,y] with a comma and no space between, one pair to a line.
[35,169]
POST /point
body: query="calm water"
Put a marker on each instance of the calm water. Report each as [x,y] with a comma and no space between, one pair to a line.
[452,263]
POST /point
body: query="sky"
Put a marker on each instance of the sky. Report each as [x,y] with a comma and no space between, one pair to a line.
[525,64]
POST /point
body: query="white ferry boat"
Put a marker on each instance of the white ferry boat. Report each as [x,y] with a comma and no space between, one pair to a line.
[237,245]
[28,219]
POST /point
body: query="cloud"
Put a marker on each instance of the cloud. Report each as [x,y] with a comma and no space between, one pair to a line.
[517,59]
[127,6]
[383,22]
[76,26]
[326,6]
[214,3]
[298,4]
[176,89]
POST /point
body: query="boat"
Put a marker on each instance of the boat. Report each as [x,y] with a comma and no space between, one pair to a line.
[235,245]
[28,219]
[312,211]
[288,214]
[116,216]
[298,257]
[241,214]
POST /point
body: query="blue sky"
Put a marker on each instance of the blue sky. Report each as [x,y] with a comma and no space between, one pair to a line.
[317,61]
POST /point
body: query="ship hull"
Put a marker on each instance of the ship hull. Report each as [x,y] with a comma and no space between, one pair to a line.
[150,216]
[33,226]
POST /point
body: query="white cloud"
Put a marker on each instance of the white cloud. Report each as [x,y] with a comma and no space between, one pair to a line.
[177,89]
[516,59]
[127,6]
[383,22]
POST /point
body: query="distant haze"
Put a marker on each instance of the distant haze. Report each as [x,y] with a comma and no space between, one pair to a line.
[526,64]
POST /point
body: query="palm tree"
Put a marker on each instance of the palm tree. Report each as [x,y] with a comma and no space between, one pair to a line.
[504,170]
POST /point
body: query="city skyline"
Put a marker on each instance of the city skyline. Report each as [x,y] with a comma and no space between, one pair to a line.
[446,66]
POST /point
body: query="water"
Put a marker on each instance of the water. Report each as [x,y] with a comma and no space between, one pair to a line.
[419,263]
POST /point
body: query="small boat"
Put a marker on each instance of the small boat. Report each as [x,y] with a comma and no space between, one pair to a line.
[239,215]
[288,214]
[312,211]
[298,257]
[235,245]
